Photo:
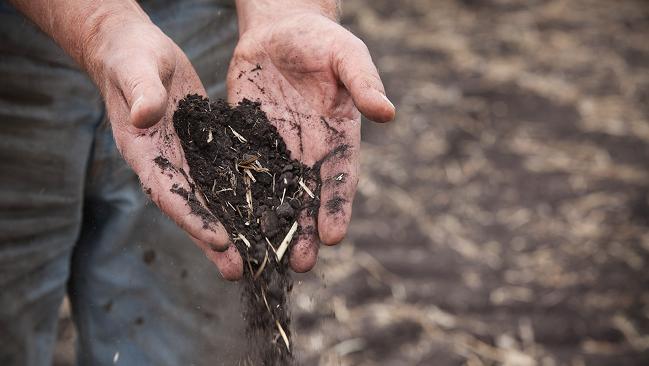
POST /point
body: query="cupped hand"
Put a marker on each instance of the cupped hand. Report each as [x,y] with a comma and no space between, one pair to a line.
[141,74]
[312,77]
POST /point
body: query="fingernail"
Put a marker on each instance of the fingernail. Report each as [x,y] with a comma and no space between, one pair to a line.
[387,100]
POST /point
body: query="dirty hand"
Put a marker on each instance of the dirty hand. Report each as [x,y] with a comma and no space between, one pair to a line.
[312,77]
[141,73]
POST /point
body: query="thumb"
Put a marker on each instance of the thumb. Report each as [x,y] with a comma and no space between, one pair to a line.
[355,69]
[140,83]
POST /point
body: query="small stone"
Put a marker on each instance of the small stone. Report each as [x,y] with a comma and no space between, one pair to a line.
[269,223]
[295,203]
[286,180]
[148,256]
[285,210]
[274,293]
[259,210]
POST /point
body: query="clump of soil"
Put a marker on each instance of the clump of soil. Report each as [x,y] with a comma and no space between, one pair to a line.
[242,169]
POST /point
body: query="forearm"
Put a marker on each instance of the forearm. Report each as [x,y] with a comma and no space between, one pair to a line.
[76,25]
[251,11]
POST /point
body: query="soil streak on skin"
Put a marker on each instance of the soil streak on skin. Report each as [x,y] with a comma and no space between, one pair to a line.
[334,205]
[241,166]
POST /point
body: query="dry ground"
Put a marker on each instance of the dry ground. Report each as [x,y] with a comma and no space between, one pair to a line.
[504,217]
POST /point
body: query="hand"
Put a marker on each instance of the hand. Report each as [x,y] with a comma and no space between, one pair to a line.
[312,77]
[141,74]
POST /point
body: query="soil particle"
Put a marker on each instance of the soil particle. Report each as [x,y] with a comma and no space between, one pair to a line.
[328,126]
[194,204]
[335,205]
[242,167]
[334,134]
[269,223]
[148,256]
[341,152]
[163,163]
[108,306]
[284,210]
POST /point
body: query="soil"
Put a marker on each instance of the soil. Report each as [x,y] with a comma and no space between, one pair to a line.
[243,172]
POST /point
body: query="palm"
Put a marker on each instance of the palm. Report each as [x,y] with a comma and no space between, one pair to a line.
[297,88]
[146,149]
[312,111]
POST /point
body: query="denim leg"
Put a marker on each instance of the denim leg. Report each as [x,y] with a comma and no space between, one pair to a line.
[207,32]
[142,292]
[48,111]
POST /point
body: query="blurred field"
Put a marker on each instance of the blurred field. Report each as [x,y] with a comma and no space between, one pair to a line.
[504,218]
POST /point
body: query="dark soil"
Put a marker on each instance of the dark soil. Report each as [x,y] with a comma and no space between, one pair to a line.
[243,172]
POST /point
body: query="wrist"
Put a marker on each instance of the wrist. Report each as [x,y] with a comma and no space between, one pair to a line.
[97,32]
[253,12]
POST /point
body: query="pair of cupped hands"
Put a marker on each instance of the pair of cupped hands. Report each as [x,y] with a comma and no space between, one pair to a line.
[311,66]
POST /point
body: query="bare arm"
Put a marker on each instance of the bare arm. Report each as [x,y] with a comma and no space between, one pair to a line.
[78,25]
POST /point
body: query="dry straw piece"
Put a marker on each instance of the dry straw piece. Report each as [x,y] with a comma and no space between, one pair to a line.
[261,268]
[245,240]
[238,135]
[306,189]
[284,337]
[287,239]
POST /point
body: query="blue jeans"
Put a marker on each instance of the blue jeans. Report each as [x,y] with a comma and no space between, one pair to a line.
[73,218]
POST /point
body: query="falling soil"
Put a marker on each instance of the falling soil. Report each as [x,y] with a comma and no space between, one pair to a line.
[241,167]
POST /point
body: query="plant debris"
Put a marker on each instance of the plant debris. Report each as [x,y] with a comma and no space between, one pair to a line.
[241,166]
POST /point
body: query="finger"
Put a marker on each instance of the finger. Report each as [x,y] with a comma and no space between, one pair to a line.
[169,187]
[140,82]
[355,69]
[229,263]
[178,201]
[339,174]
[304,253]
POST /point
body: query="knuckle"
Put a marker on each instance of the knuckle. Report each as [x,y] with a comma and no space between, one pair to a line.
[360,45]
